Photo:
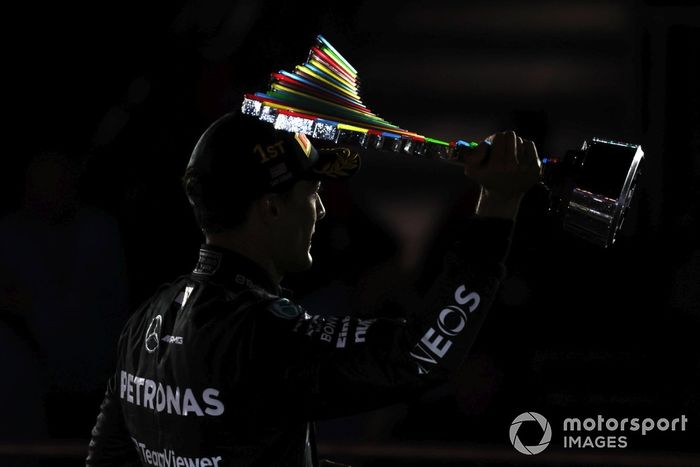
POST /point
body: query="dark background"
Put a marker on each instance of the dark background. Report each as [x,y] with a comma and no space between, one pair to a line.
[124,89]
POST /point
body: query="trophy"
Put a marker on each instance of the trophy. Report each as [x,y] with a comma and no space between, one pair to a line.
[590,189]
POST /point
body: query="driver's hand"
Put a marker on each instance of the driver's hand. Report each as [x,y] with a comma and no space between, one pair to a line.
[506,167]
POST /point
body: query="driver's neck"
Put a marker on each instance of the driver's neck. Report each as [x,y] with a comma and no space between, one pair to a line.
[250,246]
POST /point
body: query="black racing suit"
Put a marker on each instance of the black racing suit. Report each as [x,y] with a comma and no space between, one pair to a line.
[219,369]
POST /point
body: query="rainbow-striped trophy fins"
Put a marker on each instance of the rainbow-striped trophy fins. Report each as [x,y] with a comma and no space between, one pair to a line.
[321,98]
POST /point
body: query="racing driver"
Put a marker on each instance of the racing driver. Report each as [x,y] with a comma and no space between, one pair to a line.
[220,368]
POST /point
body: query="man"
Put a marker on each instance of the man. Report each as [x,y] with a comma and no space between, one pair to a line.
[220,369]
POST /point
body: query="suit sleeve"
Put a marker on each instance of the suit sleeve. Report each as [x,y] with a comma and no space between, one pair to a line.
[330,367]
[110,443]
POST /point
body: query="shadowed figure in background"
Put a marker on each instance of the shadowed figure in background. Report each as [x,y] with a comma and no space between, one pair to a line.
[64,287]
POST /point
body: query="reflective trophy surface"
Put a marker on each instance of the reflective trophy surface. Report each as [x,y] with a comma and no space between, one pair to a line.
[592,188]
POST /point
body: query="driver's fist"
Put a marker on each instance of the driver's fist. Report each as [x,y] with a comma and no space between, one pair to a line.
[506,167]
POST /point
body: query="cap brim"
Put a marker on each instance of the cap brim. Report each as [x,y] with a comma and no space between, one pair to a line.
[335,163]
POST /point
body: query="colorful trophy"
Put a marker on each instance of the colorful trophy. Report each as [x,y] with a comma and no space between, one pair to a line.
[590,189]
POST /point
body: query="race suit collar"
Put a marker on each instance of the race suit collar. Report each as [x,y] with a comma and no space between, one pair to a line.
[224,264]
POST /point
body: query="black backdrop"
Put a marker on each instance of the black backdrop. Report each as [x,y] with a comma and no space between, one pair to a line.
[125,88]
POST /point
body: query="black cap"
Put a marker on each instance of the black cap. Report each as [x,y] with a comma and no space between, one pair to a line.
[249,157]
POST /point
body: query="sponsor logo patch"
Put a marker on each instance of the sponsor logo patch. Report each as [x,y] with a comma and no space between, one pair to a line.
[173,400]
[170,458]
[284,309]
[433,347]
[172,339]
[278,170]
[344,164]
[208,262]
[152,334]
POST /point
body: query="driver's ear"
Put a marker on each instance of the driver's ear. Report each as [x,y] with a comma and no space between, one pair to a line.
[269,207]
